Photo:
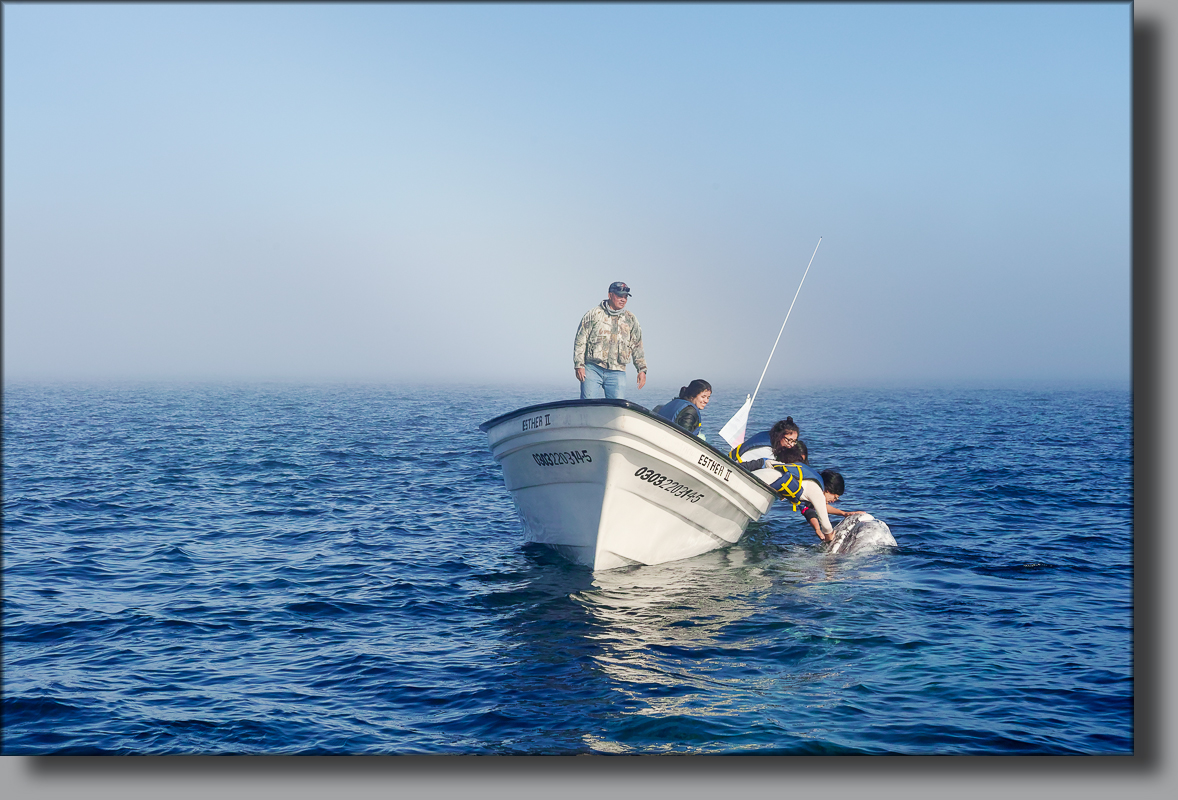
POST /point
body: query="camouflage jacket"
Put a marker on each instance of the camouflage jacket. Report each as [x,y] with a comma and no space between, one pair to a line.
[608,340]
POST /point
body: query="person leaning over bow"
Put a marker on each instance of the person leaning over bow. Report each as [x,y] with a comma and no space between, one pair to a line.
[608,338]
[751,453]
[833,486]
[797,483]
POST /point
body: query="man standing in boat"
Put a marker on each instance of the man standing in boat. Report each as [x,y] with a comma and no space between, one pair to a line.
[607,339]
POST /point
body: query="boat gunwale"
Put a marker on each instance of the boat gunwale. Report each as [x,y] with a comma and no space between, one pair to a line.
[642,411]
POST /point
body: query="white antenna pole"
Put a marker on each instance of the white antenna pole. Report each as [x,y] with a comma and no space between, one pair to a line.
[787,313]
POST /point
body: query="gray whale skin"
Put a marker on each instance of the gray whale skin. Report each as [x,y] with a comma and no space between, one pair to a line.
[860,533]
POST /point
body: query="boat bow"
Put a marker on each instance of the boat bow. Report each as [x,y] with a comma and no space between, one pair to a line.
[607,483]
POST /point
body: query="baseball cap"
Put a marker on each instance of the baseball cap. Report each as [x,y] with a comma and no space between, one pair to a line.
[619,288]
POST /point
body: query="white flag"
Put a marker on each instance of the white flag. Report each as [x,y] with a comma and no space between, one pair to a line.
[733,430]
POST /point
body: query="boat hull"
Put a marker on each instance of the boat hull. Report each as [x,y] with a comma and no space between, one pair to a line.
[608,484]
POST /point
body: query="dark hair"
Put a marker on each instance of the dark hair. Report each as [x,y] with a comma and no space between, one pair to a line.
[775,433]
[781,427]
[805,451]
[789,455]
[694,388]
[833,482]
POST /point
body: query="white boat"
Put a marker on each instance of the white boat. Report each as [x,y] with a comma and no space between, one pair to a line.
[609,484]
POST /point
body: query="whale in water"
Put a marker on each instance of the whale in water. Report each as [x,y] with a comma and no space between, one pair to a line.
[860,533]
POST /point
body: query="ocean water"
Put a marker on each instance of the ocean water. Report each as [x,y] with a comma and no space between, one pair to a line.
[339,569]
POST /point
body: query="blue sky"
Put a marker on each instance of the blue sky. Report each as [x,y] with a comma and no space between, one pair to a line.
[438,193]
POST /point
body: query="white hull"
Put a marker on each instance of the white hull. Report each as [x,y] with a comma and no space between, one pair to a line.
[608,484]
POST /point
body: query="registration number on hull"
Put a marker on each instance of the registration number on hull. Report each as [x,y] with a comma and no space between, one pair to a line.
[562,458]
[668,484]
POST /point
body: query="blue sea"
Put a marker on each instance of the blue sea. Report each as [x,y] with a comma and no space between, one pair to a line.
[279,568]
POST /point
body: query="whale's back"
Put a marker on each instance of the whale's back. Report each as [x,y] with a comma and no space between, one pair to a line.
[860,533]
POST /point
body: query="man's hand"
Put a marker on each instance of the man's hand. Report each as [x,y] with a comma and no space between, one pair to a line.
[641,379]
[580,374]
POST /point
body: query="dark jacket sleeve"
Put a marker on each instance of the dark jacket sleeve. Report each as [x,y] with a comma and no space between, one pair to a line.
[688,418]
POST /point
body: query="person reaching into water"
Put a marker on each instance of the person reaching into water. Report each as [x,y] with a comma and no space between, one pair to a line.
[797,483]
[833,486]
[685,409]
[760,446]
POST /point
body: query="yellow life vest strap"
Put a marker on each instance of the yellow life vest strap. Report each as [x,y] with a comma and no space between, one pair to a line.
[786,485]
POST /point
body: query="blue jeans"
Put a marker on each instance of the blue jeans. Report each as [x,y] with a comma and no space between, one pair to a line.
[602,382]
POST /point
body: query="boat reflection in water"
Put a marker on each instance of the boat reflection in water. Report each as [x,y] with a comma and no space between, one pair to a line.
[669,636]
[723,652]
[688,601]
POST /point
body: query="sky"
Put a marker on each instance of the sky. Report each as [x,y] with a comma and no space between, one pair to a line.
[437,193]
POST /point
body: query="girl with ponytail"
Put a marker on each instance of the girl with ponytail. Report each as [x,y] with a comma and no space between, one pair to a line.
[685,409]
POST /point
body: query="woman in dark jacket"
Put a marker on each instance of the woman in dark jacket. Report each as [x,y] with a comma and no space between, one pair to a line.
[685,410]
